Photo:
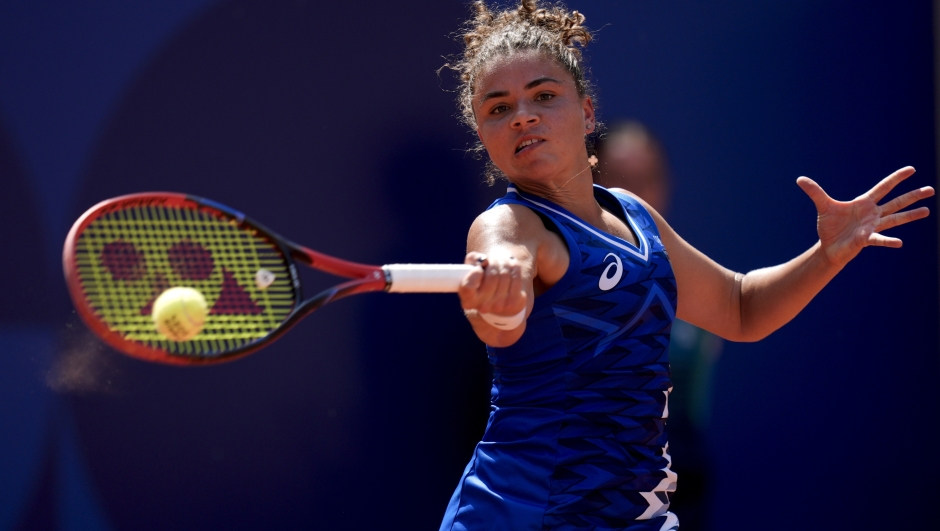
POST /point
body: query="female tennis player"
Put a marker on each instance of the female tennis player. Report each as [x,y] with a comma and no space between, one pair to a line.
[575,293]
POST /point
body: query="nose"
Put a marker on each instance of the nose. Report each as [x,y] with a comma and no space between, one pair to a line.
[525,117]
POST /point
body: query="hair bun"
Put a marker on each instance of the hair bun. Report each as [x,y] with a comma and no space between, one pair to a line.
[568,24]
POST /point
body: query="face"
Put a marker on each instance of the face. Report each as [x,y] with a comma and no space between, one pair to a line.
[531,119]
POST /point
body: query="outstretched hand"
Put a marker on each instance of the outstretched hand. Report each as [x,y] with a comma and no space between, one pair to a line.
[846,227]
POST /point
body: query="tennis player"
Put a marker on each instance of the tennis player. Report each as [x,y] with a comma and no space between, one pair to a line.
[575,294]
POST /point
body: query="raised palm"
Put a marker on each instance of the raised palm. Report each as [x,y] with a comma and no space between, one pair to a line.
[846,227]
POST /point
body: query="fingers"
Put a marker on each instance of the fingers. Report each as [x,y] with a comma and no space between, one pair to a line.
[906,200]
[496,286]
[901,218]
[471,282]
[880,240]
[890,215]
[501,292]
[887,184]
[475,258]
[515,284]
[815,192]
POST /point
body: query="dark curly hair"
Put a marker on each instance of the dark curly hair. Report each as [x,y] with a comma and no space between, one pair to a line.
[489,35]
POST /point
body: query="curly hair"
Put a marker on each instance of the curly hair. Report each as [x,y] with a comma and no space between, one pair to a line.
[489,35]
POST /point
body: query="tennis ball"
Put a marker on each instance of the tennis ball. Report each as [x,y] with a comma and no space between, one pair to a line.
[180,313]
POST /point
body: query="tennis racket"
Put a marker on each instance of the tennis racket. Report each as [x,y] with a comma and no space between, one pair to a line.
[123,252]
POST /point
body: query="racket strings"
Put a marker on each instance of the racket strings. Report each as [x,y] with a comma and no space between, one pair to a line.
[126,258]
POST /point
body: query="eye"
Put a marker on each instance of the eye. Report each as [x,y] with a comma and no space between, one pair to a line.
[544,96]
[499,109]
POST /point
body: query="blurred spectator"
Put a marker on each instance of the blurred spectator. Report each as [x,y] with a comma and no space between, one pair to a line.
[631,157]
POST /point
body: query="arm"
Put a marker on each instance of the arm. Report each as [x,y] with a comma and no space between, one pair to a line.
[750,307]
[515,254]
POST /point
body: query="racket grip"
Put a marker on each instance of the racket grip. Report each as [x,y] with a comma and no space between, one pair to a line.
[425,278]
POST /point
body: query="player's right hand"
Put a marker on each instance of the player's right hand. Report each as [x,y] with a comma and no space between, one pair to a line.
[495,286]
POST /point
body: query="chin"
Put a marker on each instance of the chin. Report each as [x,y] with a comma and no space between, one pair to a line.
[537,169]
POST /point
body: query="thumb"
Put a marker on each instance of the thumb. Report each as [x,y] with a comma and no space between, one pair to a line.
[815,192]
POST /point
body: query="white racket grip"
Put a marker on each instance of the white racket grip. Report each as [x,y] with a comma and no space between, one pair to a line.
[425,278]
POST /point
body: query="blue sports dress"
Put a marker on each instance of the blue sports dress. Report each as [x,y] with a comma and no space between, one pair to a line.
[576,435]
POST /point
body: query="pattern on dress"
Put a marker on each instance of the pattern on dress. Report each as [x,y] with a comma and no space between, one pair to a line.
[576,436]
[612,465]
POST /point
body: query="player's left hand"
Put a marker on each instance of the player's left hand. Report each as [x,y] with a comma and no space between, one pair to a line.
[846,227]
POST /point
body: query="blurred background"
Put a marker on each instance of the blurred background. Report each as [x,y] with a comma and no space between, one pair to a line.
[327,122]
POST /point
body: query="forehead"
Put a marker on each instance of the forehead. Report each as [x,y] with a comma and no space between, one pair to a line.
[511,72]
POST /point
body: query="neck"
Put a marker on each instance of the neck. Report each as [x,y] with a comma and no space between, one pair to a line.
[574,193]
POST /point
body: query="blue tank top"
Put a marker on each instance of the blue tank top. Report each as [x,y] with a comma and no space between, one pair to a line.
[576,434]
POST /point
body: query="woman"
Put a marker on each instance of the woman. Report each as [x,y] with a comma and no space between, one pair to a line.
[575,294]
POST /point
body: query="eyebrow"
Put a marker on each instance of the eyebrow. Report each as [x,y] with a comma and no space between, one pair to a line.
[531,84]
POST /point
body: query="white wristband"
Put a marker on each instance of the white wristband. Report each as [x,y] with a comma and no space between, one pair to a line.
[503,322]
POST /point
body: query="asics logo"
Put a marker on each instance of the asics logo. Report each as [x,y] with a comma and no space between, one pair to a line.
[609,278]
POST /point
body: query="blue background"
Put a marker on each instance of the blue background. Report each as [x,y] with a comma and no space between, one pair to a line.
[328,123]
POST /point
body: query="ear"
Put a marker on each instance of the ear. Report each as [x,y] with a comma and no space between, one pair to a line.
[587,109]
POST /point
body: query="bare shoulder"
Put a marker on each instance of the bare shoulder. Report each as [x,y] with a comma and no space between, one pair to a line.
[519,231]
[674,244]
[507,222]
[657,217]
[624,191]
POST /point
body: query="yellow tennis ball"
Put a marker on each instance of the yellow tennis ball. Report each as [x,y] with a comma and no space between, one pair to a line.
[180,313]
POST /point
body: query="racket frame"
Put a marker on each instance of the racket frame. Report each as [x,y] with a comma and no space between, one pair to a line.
[365,278]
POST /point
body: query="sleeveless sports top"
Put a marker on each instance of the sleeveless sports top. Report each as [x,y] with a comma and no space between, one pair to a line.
[576,434]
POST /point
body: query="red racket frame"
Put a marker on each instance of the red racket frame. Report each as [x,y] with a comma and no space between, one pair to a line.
[366,278]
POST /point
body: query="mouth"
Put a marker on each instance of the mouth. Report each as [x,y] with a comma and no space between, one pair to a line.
[528,143]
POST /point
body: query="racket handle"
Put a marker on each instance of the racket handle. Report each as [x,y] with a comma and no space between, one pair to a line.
[425,278]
